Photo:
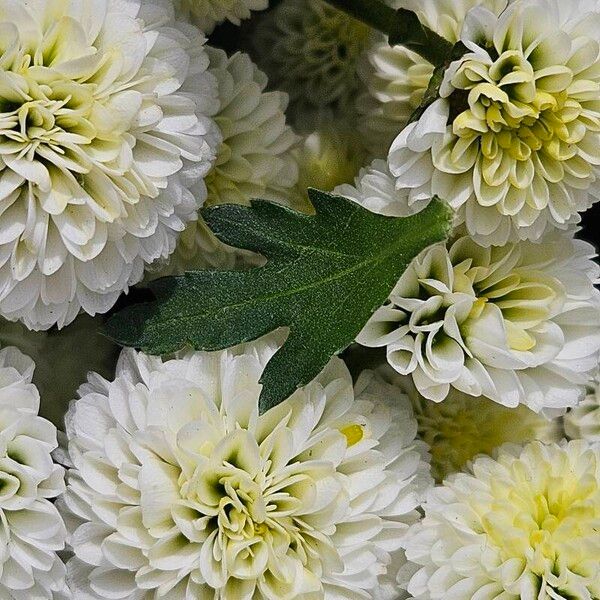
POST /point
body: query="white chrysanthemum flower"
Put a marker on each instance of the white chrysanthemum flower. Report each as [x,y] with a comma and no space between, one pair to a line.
[254,159]
[513,141]
[311,50]
[32,531]
[396,78]
[63,358]
[103,142]
[519,324]
[583,421]
[184,491]
[208,13]
[462,427]
[522,526]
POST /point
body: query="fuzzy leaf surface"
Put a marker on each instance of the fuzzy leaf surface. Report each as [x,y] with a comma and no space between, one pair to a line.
[324,277]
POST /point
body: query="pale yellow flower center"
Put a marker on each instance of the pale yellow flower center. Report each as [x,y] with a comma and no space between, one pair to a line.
[329,158]
[354,433]
[39,106]
[513,118]
[523,128]
[550,520]
[526,298]
[256,513]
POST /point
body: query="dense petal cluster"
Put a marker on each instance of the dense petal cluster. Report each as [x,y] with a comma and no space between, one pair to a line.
[463,427]
[208,13]
[522,526]
[517,324]
[104,141]
[32,530]
[513,142]
[583,420]
[62,360]
[182,490]
[311,50]
[254,159]
[396,78]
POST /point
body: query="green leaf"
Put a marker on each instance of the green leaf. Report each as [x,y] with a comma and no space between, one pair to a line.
[324,277]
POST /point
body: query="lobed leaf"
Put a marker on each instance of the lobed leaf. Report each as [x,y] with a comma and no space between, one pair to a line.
[324,277]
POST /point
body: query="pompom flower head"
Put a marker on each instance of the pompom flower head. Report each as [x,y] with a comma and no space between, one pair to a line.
[513,141]
[104,141]
[517,324]
[311,51]
[184,491]
[254,160]
[208,13]
[32,530]
[522,526]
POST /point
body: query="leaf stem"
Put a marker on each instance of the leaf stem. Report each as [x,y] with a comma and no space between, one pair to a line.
[402,27]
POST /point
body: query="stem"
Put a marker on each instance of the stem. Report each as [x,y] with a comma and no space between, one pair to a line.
[402,26]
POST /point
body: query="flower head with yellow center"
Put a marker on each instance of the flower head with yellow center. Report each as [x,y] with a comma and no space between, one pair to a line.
[327,158]
[311,51]
[182,490]
[104,141]
[462,427]
[396,78]
[519,324]
[513,141]
[524,525]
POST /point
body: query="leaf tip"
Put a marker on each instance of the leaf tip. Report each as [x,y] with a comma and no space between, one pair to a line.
[447,214]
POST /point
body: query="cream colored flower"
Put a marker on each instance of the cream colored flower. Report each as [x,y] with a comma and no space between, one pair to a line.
[208,13]
[462,427]
[311,50]
[522,526]
[32,531]
[104,142]
[396,78]
[254,160]
[583,420]
[519,324]
[62,360]
[184,491]
[513,142]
